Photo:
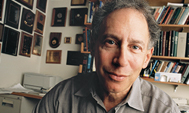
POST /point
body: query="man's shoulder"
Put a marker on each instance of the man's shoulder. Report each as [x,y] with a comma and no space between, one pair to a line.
[156,95]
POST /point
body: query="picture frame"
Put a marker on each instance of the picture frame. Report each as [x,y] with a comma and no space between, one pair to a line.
[12,10]
[67,40]
[77,16]
[78,2]
[79,38]
[41,5]
[37,44]
[1,8]
[39,22]
[59,16]
[27,3]
[1,31]
[53,56]
[10,41]
[27,20]
[25,44]
[55,39]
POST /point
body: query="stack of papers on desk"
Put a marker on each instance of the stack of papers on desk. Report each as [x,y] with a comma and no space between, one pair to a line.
[16,88]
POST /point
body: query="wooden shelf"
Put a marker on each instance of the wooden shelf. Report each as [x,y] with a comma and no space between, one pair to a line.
[164,2]
[82,48]
[171,83]
[27,95]
[89,25]
[169,27]
[171,58]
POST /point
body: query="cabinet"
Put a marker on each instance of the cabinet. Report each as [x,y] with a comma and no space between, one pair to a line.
[164,27]
[17,104]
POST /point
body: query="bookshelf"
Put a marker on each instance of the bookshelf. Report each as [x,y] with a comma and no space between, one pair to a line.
[164,27]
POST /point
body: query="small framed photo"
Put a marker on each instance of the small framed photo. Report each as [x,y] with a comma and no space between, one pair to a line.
[59,16]
[39,22]
[67,40]
[10,41]
[77,16]
[12,14]
[1,8]
[37,44]
[53,56]
[78,2]
[27,20]
[28,3]
[41,5]
[1,31]
[79,38]
[25,45]
[55,39]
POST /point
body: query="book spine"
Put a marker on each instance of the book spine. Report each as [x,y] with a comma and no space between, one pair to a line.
[175,44]
[187,46]
[172,43]
[185,75]
[163,43]
[160,43]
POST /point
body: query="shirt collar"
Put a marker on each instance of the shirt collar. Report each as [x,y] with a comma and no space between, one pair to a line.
[134,98]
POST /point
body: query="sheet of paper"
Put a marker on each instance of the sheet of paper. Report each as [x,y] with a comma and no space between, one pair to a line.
[16,88]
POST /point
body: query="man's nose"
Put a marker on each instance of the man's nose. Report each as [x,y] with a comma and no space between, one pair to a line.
[121,58]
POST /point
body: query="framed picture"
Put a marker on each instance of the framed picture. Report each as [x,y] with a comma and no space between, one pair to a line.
[53,56]
[1,31]
[59,16]
[10,41]
[77,16]
[25,44]
[79,38]
[1,8]
[27,21]
[37,44]
[39,22]
[41,5]
[12,14]
[28,3]
[55,39]
[67,40]
[78,2]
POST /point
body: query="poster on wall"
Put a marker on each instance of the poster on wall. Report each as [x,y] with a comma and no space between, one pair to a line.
[1,8]
[41,5]
[27,21]
[39,22]
[28,3]
[10,41]
[12,14]
[59,16]
[37,44]
[1,31]
[53,56]
[77,16]
[25,44]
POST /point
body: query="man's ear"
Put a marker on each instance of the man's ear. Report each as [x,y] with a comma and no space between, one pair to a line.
[148,57]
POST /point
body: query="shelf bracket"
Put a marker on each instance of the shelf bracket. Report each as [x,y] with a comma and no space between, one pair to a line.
[175,88]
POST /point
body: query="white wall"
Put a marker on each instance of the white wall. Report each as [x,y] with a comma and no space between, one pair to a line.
[63,70]
[13,67]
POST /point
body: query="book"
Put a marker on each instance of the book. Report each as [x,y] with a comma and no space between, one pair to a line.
[153,66]
[169,44]
[163,43]
[174,9]
[167,18]
[160,43]
[163,14]
[172,43]
[175,15]
[187,46]
[175,43]
[179,16]
[169,67]
[184,76]
[164,66]
[167,11]
[182,67]
[181,46]
[160,12]
[184,16]
[174,68]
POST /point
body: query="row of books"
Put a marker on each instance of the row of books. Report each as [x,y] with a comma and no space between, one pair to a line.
[168,67]
[172,43]
[171,14]
[87,65]
[86,39]
[93,6]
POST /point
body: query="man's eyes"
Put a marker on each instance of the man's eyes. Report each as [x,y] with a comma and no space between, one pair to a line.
[110,41]
[135,47]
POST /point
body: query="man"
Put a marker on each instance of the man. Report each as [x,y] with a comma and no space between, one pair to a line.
[124,33]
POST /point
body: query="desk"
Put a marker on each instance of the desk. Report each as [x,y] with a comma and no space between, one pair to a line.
[35,96]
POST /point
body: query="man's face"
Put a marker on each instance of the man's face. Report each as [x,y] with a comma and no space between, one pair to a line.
[121,49]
